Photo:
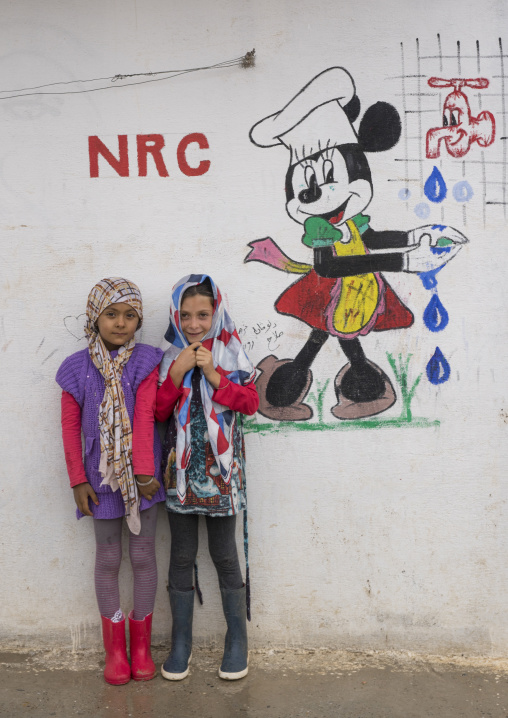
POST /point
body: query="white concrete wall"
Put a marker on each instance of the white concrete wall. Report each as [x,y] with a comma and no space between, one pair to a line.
[387,538]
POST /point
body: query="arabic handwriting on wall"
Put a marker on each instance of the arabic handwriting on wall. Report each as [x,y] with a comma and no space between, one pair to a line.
[264,332]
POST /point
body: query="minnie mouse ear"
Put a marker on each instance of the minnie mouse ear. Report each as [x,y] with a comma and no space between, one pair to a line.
[380,128]
[352,109]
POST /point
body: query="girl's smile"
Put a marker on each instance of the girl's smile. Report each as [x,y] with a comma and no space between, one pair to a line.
[196,314]
[117,325]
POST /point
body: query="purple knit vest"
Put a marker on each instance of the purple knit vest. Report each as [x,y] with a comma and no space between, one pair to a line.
[78,376]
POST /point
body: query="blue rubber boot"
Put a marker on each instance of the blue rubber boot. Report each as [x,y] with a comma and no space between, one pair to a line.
[176,665]
[236,656]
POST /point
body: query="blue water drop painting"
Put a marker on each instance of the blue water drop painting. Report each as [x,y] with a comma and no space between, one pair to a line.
[422,210]
[435,315]
[438,369]
[435,186]
[462,191]
[429,279]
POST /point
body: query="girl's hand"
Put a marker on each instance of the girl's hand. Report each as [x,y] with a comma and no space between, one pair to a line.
[147,491]
[81,494]
[205,362]
[185,361]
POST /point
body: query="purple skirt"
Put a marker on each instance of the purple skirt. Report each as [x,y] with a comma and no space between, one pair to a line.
[111,504]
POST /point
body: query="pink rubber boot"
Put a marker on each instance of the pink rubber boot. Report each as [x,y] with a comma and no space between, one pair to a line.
[143,668]
[117,670]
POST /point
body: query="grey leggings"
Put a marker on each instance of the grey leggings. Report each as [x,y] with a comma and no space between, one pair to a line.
[184,549]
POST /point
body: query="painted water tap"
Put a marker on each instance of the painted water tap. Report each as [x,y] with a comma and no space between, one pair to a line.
[460,129]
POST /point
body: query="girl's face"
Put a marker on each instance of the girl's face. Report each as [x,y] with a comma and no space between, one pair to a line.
[117,325]
[196,314]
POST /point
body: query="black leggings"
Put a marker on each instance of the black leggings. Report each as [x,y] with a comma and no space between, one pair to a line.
[184,549]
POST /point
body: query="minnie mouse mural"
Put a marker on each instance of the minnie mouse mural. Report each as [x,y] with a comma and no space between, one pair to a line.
[344,295]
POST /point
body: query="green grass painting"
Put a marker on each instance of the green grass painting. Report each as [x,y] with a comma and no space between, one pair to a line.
[405,395]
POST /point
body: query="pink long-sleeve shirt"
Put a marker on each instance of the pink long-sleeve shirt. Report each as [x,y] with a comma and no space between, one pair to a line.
[240,398]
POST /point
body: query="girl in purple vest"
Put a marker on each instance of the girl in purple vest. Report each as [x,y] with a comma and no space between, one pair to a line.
[109,395]
[206,384]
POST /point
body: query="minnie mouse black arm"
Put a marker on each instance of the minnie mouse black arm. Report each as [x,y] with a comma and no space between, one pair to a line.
[385,240]
[327,264]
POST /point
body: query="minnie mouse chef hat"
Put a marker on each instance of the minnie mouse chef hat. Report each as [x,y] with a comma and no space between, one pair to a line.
[313,119]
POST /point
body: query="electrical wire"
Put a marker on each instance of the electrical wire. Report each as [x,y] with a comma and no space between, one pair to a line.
[246,60]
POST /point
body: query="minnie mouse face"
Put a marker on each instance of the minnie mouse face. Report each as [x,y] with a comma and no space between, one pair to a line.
[334,184]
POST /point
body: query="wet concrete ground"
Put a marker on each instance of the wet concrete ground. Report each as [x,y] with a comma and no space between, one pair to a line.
[279,685]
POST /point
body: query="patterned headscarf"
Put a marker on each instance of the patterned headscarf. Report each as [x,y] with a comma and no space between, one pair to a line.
[229,359]
[114,423]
